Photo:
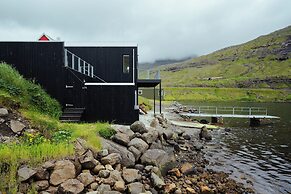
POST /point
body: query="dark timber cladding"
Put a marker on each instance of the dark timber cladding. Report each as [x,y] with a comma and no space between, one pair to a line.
[110,102]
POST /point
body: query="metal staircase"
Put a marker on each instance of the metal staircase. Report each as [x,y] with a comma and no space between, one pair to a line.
[72,114]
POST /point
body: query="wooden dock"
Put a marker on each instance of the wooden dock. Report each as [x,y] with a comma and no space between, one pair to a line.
[255,114]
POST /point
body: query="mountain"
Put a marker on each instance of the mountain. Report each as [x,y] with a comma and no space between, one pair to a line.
[264,62]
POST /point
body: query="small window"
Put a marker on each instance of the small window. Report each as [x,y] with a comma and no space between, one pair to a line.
[125,64]
[139,92]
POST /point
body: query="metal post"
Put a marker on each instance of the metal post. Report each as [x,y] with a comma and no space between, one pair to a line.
[79,65]
[160,92]
[154,100]
[92,73]
[232,110]
[73,61]
[199,110]
[250,111]
[66,58]
[216,110]
[84,68]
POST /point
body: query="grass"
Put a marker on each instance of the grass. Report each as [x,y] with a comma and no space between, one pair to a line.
[147,102]
[234,67]
[35,105]
[226,94]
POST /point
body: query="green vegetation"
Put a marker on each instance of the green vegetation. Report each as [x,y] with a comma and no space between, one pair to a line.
[226,94]
[257,64]
[52,140]
[107,132]
[147,102]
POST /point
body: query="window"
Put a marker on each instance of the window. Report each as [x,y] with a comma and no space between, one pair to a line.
[125,65]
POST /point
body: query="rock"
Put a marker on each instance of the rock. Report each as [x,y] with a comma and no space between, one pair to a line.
[155,157]
[139,144]
[2,121]
[111,159]
[98,168]
[127,131]
[49,165]
[119,186]
[23,187]
[157,181]
[25,173]
[198,146]
[176,172]
[154,123]
[186,136]
[205,190]
[179,132]
[103,152]
[190,190]
[150,136]
[86,178]
[168,134]
[121,138]
[115,176]
[80,146]
[63,170]
[41,185]
[135,152]
[135,188]
[87,160]
[16,126]
[188,169]
[204,133]
[178,191]
[3,112]
[104,173]
[130,175]
[71,186]
[93,186]
[170,187]
[227,129]
[139,127]
[103,189]
[139,167]
[128,158]
[109,167]
[156,145]
[41,174]
[52,189]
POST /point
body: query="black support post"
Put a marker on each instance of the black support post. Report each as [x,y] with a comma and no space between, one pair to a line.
[154,100]
[160,92]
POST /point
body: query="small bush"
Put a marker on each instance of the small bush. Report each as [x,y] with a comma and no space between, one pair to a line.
[107,132]
[62,136]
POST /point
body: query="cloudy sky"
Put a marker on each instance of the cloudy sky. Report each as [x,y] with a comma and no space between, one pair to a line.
[161,28]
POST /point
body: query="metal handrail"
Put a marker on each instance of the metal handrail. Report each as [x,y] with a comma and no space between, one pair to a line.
[232,110]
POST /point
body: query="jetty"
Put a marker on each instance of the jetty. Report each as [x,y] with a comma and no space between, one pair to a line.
[255,114]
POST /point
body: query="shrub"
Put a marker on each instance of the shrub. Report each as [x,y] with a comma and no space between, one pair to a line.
[62,136]
[107,132]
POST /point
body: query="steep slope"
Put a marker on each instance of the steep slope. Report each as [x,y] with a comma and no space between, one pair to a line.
[264,62]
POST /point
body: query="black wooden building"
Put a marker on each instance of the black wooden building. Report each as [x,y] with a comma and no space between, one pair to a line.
[97,83]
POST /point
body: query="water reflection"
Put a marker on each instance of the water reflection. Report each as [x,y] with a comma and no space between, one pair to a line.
[258,157]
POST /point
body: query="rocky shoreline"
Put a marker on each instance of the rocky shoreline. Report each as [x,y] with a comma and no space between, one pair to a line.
[152,156]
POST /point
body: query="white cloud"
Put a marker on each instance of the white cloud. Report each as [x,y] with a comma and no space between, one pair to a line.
[162,28]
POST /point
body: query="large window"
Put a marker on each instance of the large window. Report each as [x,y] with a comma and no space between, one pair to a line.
[125,64]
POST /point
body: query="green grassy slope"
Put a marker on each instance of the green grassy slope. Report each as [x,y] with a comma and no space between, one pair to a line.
[264,62]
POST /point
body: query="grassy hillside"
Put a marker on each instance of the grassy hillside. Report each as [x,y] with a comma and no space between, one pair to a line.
[261,63]
[52,139]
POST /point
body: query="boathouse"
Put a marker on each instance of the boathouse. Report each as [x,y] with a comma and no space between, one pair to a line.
[92,82]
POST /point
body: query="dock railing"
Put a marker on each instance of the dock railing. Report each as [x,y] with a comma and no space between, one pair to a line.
[229,110]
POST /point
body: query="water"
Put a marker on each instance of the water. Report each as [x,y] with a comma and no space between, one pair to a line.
[258,157]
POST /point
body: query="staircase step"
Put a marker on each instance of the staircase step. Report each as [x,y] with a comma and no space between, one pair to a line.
[72,114]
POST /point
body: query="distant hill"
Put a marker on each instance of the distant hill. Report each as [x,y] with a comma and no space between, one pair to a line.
[159,62]
[264,62]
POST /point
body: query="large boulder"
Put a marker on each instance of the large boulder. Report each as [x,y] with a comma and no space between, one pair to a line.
[127,158]
[157,181]
[130,175]
[3,112]
[87,160]
[86,178]
[63,170]
[121,138]
[204,134]
[111,159]
[135,188]
[155,157]
[41,185]
[135,152]
[16,126]
[150,136]
[71,186]
[139,144]
[25,173]
[139,127]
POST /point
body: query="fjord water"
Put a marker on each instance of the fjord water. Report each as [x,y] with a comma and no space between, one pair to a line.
[258,157]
